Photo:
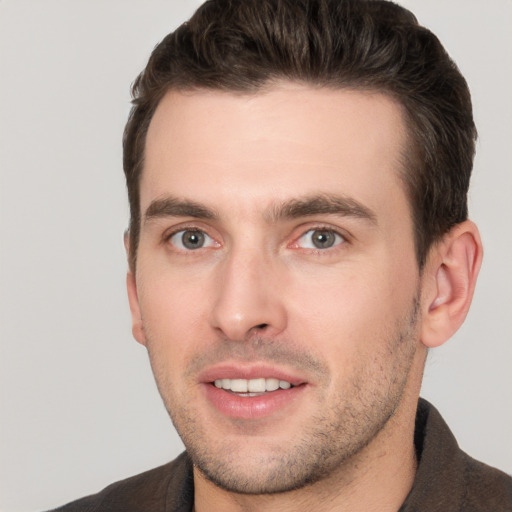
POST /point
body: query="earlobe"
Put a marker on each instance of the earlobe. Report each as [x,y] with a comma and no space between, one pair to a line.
[449,283]
[133,299]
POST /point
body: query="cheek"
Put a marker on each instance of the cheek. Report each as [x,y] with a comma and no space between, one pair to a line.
[174,313]
[353,311]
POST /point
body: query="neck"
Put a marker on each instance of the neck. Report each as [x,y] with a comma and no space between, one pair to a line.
[377,479]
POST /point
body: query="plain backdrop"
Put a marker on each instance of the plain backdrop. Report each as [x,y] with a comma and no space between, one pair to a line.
[79,408]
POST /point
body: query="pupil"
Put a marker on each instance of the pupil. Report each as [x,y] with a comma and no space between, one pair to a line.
[193,239]
[323,239]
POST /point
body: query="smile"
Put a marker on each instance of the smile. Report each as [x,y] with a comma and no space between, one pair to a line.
[252,387]
[252,391]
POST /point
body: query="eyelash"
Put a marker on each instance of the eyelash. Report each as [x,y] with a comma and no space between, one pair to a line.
[344,238]
[183,229]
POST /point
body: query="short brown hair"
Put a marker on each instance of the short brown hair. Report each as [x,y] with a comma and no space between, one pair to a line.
[242,45]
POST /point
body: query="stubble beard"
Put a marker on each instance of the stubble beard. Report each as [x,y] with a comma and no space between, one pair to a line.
[327,444]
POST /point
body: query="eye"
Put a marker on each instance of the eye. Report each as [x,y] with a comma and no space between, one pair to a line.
[320,239]
[191,239]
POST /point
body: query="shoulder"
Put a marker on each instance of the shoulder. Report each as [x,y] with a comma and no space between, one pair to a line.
[449,480]
[486,488]
[160,489]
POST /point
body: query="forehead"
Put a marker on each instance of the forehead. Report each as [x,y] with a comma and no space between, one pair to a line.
[289,140]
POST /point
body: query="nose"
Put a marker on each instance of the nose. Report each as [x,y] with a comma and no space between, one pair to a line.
[249,298]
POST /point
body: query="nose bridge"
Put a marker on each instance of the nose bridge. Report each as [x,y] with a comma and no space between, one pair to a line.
[248,297]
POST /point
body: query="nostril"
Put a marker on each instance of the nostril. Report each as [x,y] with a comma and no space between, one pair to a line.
[261,326]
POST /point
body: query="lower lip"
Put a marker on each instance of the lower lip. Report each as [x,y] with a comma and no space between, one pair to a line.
[254,407]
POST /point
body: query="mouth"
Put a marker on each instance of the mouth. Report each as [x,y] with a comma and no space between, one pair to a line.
[252,387]
[251,393]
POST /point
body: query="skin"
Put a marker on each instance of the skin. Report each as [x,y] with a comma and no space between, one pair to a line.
[348,323]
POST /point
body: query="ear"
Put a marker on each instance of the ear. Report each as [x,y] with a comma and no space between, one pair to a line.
[449,281]
[133,299]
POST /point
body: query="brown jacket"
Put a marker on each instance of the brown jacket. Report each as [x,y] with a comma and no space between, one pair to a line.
[447,480]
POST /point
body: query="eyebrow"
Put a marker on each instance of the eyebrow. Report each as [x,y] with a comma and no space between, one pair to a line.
[174,207]
[321,204]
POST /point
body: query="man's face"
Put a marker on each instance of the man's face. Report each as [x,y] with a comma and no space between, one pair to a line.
[276,286]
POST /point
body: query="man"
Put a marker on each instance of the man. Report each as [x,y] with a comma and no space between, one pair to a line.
[297,173]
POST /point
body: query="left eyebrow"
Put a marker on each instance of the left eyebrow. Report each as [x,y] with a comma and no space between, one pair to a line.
[321,204]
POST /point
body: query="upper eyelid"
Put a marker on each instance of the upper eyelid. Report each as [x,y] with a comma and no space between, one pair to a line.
[336,231]
[169,234]
[320,226]
[186,226]
[296,233]
[344,239]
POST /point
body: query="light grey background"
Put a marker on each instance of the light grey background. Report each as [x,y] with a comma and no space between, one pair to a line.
[79,408]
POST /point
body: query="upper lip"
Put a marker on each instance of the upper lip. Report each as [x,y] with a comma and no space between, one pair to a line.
[248,371]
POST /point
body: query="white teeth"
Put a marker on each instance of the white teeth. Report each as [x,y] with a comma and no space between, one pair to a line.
[272,384]
[239,385]
[256,385]
[252,385]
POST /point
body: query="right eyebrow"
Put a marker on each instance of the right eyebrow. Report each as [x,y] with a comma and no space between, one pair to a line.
[173,207]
